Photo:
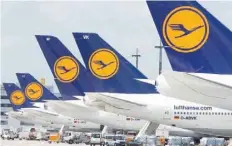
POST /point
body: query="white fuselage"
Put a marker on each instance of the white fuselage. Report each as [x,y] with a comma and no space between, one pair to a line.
[55,118]
[208,89]
[52,118]
[77,108]
[27,118]
[170,111]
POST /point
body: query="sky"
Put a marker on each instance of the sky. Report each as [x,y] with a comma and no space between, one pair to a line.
[125,25]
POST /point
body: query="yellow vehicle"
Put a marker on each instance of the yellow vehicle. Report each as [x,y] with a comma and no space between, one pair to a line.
[54,137]
[130,136]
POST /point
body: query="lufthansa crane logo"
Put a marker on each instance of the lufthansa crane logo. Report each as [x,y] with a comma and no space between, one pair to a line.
[17,97]
[185,29]
[66,69]
[104,63]
[34,91]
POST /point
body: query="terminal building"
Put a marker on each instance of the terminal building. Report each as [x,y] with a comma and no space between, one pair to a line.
[6,121]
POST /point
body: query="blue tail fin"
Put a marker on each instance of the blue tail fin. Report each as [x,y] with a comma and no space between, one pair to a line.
[33,89]
[111,71]
[64,89]
[16,96]
[194,40]
[60,61]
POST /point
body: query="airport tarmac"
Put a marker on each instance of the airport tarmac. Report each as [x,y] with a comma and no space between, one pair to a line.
[32,143]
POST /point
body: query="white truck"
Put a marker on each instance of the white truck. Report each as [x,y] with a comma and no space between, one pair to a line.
[109,140]
[23,135]
[120,140]
[210,141]
[8,134]
[71,137]
[96,139]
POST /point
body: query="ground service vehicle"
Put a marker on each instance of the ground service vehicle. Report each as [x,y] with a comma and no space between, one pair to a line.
[109,140]
[130,136]
[212,142]
[54,137]
[72,137]
[32,134]
[96,139]
[23,135]
[5,135]
[120,140]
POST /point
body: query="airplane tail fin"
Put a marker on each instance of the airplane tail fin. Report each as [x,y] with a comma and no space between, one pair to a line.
[60,61]
[64,88]
[16,96]
[111,71]
[194,40]
[33,89]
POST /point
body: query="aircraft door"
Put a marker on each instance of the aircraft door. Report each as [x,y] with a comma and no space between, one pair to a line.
[167,114]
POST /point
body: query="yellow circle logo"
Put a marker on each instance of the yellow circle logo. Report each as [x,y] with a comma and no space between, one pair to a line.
[66,69]
[34,91]
[103,63]
[17,97]
[185,29]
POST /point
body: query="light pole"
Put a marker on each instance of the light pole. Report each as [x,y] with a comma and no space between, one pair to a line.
[160,47]
[137,55]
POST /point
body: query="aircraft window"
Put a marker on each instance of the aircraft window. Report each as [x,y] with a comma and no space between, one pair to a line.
[209,113]
[218,113]
[184,113]
[199,113]
[215,113]
[196,113]
[190,113]
[212,113]
[187,113]
[203,113]
[181,113]
[222,113]
[178,113]
[206,113]
[174,112]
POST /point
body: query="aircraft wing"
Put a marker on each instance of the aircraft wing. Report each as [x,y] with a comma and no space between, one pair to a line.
[117,101]
[38,112]
[195,88]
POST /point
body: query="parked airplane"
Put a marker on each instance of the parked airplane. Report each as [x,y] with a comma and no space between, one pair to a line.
[126,92]
[18,101]
[76,107]
[124,122]
[37,93]
[198,47]
[55,53]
